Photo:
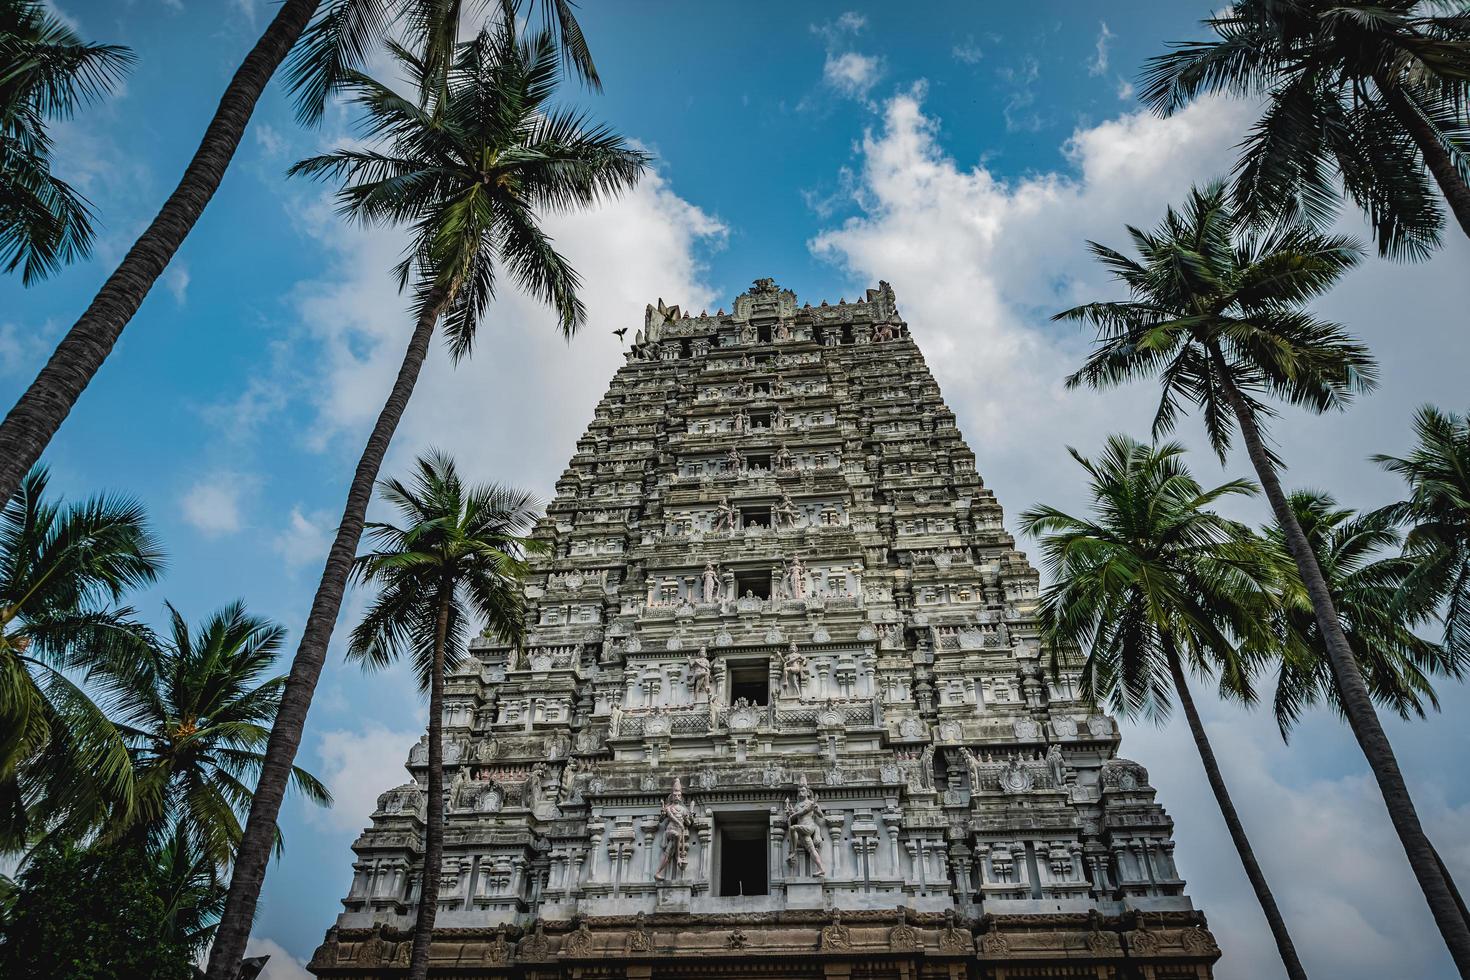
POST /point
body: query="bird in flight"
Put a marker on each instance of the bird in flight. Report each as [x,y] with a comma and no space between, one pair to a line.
[620,333]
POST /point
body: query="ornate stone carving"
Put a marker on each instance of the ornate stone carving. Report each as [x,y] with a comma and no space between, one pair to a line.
[639,940]
[498,950]
[953,939]
[1198,941]
[1141,942]
[836,936]
[737,939]
[536,946]
[904,936]
[994,944]
[579,941]
[804,828]
[675,815]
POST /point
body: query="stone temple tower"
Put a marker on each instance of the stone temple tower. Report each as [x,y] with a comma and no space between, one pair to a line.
[782,710]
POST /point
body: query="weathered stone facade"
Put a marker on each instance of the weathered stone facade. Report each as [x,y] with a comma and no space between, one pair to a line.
[782,710]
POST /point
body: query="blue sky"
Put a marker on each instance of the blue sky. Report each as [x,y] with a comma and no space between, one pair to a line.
[962,151]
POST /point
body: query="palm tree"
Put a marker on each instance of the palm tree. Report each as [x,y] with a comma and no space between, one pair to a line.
[469,171]
[1153,584]
[1367,585]
[194,709]
[46,72]
[344,36]
[63,570]
[1438,514]
[458,556]
[1365,94]
[1216,313]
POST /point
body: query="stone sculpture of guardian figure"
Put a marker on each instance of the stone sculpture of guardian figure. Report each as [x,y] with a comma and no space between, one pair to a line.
[676,816]
[804,828]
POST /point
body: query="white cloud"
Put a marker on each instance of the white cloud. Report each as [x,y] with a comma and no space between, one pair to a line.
[176,279]
[969,52]
[1125,89]
[212,505]
[281,965]
[306,538]
[271,142]
[1019,113]
[510,411]
[357,767]
[979,263]
[852,74]
[1098,65]
[848,73]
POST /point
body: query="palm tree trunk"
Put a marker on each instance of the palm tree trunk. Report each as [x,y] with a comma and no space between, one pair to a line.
[423,927]
[1433,878]
[306,667]
[29,426]
[1284,945]
[1441,165]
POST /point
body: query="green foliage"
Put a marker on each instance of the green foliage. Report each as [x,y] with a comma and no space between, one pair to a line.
[63,570]
[1367,583]
[345,33]
[1338,77]
[1215,306]
[194,708]
[46,72]
[470,168]
[1153,573]
[1437,514]
[109,913]
[462,545]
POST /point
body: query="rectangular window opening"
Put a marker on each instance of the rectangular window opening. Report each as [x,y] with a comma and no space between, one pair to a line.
[756,516]
[764,333]
[757,583]
[751,680]
[742,854]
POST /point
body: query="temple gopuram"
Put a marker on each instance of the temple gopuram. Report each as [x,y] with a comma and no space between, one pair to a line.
[782,709]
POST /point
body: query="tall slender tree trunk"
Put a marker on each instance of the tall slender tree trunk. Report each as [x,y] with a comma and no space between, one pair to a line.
[29,426]
[1433,877]
[423,927]
[306,667]
[1284,945]
[1441,165]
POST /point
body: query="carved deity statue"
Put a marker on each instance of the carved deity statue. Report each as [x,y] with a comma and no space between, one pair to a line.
[804,828]
[796,577]
[711,582]
[972,764]
[786,512]
[1058,766]
[734,460]
[725,516]
[617,720]
[742,420]
[784,459]
[676,817]
[793,669]
[699,672]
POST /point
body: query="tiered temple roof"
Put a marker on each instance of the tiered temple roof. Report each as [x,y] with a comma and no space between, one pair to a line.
[783,709]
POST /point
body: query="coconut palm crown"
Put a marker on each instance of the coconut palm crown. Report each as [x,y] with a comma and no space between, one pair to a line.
[470,165]
[471,170]
[195,708]
[1217,313]
[1363,96]
[1358,556]
[47,72]
[1437,515]
[458,558]
[1155,585]
[64,569]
